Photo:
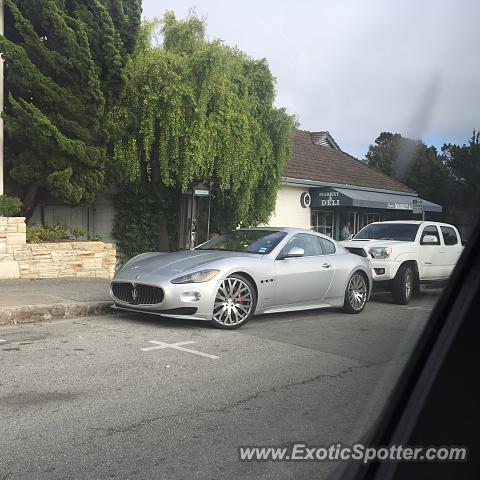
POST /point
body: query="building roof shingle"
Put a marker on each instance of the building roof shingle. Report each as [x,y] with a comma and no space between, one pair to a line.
[309,161]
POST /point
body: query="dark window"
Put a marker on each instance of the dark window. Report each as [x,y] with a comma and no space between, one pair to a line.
[327,246]
[449,236]
[430,230]
[403,232]
[309,243]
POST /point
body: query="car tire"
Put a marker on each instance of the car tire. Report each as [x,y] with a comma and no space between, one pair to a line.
[235,303]
[403,285]
[416,284]
[356,293]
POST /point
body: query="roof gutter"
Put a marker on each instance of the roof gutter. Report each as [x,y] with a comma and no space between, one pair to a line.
[315,183]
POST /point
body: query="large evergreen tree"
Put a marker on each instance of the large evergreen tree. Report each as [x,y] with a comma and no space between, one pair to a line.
[64,70]
[192,110]
[411,162]
[383,153]
[464,165]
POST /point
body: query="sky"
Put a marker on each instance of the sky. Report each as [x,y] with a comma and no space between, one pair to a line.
[359,67]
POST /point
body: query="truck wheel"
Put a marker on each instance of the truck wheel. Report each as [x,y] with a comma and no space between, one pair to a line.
[416,285]
[402,285]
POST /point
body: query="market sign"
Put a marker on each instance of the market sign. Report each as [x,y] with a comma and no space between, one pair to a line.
[323,197]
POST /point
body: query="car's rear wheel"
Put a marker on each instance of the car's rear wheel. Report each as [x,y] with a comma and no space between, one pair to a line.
[356,293]
[403,285]
[235,302]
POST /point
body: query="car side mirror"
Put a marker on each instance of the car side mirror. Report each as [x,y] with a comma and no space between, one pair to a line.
[295,252]
[430,240]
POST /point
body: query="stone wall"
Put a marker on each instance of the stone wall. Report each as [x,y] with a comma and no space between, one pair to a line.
[19,259]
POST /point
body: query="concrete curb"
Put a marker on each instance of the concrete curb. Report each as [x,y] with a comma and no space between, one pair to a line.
[40,313]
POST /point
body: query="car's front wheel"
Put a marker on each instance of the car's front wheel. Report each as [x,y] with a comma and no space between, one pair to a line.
[403,285]
[235,302]
[356,293]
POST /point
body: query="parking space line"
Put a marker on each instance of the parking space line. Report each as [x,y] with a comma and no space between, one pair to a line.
[2,340]
[176,346]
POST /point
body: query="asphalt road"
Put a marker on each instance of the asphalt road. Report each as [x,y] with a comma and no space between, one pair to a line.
[81,399]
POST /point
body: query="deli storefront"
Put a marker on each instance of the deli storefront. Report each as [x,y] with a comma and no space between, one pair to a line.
[338,211]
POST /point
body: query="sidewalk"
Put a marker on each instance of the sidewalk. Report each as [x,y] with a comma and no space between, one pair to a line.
[23,301]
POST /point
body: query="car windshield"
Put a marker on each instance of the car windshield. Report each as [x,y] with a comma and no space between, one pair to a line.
[403,232]
[248,241]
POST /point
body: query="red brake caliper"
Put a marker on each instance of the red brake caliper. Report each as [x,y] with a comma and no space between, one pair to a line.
[241,295]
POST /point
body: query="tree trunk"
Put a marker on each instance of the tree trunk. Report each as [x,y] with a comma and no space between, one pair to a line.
[30,199]
[162,234]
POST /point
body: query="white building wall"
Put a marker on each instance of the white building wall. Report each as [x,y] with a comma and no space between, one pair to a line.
[288,210]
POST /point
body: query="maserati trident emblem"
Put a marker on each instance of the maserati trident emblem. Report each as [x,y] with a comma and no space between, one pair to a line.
[134,293]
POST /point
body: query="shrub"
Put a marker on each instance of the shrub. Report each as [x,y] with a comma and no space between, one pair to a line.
[76,233]
[40,233]
[54,233]
[10,205]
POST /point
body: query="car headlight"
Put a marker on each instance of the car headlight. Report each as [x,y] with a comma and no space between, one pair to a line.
[196,277]
[380,252]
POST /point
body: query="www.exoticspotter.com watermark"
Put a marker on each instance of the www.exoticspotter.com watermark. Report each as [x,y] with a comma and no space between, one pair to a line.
[357,451]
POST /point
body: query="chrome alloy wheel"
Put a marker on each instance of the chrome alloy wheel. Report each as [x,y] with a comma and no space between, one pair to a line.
[233,302]
[357,291]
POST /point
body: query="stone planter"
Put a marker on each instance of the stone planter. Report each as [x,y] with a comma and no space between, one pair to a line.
[19,259]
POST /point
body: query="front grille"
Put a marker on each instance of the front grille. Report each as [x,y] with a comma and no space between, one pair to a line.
[357,251]
[137,294]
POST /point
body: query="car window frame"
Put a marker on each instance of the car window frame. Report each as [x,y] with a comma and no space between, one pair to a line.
[322,239]
[457,242]
[281,255]
[422,235]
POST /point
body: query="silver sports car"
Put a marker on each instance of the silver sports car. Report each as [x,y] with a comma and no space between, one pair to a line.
[249,271]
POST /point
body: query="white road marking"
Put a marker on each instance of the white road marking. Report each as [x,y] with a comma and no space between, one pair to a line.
[176,346]
[2,340]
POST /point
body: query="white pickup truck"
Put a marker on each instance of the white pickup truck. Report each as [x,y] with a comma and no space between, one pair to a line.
[406,253]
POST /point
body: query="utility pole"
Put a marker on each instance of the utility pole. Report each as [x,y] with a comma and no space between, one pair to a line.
[1,101]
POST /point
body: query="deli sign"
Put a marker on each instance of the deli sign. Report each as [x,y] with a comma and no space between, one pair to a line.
[329,199]
[325,197]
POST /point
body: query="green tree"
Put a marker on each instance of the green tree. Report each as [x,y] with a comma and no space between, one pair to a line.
[193,110]
[429,176]
[64,70]
[411,162]
[382,155]
[464,165]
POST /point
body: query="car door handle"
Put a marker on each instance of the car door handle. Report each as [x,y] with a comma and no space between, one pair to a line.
[326,265]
